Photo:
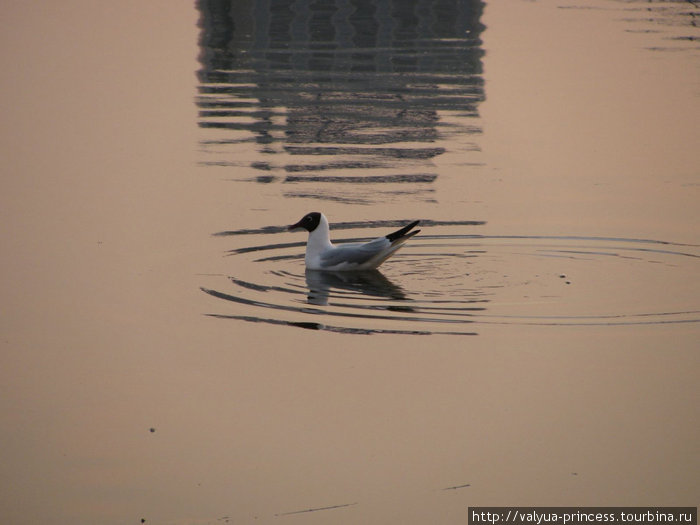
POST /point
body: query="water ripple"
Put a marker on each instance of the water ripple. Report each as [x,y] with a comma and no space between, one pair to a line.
[450,282]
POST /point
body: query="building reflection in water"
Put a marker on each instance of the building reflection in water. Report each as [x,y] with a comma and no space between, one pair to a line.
[322,89]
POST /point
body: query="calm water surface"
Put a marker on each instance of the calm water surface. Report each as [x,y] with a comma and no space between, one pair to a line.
[167,357]
[357,106]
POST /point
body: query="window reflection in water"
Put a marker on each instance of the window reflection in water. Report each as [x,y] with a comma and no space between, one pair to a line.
[324,90]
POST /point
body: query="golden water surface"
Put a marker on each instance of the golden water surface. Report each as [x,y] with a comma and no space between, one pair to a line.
[164,355]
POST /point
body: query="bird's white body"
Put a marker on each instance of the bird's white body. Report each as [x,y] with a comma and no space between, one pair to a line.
[322,254]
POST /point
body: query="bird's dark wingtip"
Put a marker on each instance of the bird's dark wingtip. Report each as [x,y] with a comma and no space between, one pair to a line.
[403,231]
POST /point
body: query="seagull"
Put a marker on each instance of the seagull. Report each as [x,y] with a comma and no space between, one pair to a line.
[322,255]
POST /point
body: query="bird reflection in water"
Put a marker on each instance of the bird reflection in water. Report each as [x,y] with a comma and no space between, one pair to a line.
[372,283]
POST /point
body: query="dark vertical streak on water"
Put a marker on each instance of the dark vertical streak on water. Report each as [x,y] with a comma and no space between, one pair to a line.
[328,84]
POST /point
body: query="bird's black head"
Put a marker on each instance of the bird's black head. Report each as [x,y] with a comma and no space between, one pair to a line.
[309,222]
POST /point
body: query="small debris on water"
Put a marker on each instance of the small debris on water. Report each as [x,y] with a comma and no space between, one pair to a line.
[316,509]
[458,487]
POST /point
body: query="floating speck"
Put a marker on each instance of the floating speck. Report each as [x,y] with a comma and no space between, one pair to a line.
[458,487]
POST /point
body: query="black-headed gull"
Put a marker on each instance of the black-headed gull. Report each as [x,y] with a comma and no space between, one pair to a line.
[321,254]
